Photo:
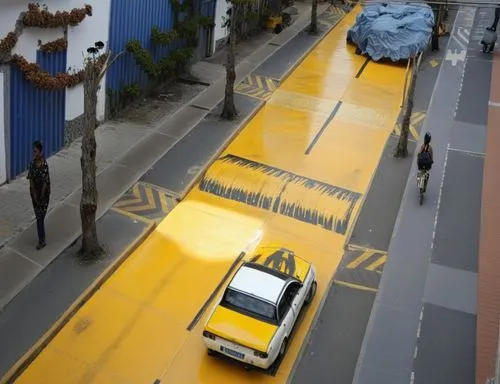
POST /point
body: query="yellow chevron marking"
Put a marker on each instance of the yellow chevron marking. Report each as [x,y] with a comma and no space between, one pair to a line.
[136,192]
[358,260]
[416,120]
[379,258]
[257,86]
[145,207]
[149,201]
[270,84]
[377,263]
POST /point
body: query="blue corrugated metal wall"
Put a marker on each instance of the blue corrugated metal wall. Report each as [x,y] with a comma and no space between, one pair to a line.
[36,114]
[133,20]
[207,9]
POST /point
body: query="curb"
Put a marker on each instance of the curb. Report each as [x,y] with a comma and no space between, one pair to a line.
[247,119]
[15,371]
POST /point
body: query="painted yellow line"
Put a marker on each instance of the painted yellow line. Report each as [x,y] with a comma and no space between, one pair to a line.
[39,346]
[355,286]
[377,263]
[133,216]
[259,82]
[136,192]
[270,84]
[357,261]
[354,247]
[263,190]
[164,204]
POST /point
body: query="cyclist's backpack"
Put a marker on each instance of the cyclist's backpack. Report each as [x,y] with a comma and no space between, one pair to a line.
[424,159]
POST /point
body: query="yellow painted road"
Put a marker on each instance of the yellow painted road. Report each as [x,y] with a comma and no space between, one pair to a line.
[294,177]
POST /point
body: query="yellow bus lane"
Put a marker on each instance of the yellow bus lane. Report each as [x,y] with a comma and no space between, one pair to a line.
[294,177]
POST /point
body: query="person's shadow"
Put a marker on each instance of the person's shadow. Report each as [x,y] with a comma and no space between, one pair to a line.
[281,262]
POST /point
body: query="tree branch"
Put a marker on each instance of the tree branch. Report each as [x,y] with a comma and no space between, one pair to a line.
[108,64]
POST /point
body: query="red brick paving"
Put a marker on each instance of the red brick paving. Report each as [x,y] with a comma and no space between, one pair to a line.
[488,303]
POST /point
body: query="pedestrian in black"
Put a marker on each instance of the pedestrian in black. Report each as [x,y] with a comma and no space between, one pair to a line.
[38,175]
[495,20]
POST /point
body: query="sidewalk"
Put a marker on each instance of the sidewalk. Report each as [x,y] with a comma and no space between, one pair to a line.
[422,325]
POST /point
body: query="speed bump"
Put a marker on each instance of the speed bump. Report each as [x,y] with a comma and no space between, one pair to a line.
[146,202]
[257,86]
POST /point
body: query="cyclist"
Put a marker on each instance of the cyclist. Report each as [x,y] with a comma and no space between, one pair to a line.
[425,157]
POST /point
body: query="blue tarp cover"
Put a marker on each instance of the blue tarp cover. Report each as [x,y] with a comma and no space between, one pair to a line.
[392,31]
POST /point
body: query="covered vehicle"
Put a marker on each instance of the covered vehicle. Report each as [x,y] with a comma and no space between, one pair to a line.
[392,31]
[255,316]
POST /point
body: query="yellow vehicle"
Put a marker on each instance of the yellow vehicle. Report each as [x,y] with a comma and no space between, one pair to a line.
[255,315]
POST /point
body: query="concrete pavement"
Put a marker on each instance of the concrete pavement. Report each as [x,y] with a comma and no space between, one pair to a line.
[167,176]
[422,325]
[126,150]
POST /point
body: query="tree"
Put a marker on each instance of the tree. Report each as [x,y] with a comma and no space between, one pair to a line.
[313,27]
[96,66]
[402,147]
[229,109]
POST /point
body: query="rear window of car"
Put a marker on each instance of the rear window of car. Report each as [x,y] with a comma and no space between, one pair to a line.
[249,305]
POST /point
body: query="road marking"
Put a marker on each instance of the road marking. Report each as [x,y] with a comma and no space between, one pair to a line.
[371,260]
[257,86]
[455,56]
[276,190]
[434,63]
[332,14]
[355,286]
[147,201]
[416,121]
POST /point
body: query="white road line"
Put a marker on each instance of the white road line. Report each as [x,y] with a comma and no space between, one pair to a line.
[439,198]
[466,151]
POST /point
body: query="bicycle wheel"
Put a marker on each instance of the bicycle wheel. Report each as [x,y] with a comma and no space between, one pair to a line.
[421,197]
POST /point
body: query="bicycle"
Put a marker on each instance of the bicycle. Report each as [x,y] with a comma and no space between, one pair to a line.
[422,180]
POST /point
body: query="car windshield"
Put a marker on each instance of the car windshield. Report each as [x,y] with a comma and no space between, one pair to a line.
[250,305]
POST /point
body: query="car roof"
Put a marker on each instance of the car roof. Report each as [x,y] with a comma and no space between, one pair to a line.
[258,281]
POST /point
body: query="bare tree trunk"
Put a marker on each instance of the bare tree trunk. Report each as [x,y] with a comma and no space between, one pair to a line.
[229,110]
[402,147]
[313,27]
[88,204]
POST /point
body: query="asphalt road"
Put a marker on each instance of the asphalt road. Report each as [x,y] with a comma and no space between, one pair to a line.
[331,354]
[422,325]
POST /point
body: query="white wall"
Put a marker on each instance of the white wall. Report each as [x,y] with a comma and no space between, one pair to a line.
[221,7]
[3,154]
[92,29]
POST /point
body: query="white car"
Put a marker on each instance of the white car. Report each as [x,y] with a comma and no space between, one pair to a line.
[255,316]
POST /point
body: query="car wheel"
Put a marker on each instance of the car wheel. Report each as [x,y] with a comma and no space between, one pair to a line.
[210,352]
[312,292]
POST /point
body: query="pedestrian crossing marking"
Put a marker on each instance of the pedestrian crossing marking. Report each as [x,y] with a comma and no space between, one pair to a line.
[257,86]
[146,201]
[367,259]
[416,121]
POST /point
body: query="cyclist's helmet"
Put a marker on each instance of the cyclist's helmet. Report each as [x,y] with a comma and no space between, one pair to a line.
[427,138]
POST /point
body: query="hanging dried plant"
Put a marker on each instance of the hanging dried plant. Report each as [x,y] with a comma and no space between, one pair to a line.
[42,18]
[54,46]
[43,80]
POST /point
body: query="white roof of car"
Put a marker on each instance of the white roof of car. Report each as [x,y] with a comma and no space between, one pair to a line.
[258,283]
